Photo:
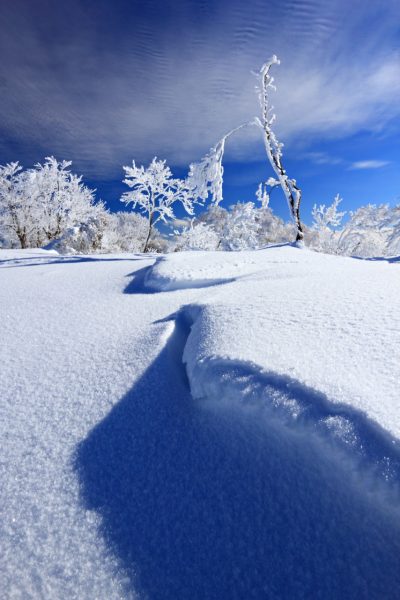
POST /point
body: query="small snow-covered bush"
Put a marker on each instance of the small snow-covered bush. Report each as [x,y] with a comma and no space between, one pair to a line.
[109,232]
[370,231]
[125,232]
[198,236]
[242,227]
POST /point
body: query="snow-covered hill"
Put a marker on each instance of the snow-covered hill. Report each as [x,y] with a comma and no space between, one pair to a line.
[200,425]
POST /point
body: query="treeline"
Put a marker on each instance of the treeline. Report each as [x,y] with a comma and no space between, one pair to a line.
[49,206]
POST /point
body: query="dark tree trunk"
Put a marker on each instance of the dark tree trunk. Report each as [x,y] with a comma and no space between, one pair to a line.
[151,219]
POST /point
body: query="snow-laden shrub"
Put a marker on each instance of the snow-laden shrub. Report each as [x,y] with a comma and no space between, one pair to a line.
[369,232]
[198,236]
[85,238]
[110,232]
[124,232]
[241,227]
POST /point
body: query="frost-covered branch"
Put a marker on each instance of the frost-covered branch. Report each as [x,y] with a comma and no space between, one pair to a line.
[205,178]
[325,217]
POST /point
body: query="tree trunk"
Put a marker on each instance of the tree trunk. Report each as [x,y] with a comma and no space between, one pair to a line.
[22,239]
[151,219]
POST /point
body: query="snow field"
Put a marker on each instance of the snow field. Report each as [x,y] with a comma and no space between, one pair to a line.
[267,466]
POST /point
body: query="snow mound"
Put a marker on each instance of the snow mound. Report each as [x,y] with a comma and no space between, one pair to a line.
[202,269]
[330,323]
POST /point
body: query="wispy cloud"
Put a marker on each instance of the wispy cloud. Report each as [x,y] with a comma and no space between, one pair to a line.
[102,86]
[322,158]
[369,164]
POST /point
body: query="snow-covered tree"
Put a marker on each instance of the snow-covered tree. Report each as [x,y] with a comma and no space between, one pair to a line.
[323,236]
[154,191]
[62,200]
[393,242]
[367,232]
[206,177]
[17,210]
[40,204]
[326,217]
[242,228]
[125,232]
[370,231]
[273,147]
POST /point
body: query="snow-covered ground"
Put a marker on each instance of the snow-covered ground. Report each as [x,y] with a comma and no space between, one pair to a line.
[200,425]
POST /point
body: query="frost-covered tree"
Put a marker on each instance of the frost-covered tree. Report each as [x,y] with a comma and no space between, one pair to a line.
[323,236]
[62,200]
[206,177]
[125,232]
[242,228]
[367,232]
[326,217]
[273,147]
[154,191]
[40,204]
[18,218]
[393,242]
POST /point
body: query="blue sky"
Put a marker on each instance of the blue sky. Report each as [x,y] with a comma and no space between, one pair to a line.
[102,82]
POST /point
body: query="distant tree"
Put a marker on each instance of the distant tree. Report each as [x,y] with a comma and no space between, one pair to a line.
[367,232]
[393,242]
[242,228]
[125,232]
[108,232]
[324,235]
[154,191]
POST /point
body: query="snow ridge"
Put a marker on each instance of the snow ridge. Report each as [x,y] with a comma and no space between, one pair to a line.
[353,438]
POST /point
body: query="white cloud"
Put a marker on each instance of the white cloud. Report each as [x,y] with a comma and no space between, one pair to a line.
[322,158]
[369,164]
[173,91]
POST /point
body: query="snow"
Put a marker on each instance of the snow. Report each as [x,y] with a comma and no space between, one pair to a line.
[204,425]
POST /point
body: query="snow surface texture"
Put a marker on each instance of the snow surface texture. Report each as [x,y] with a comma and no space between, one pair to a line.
[268,468]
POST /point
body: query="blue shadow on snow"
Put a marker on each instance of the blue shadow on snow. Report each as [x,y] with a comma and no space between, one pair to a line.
[209,504]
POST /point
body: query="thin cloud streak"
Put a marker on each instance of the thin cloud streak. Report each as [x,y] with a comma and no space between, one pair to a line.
[369,164]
